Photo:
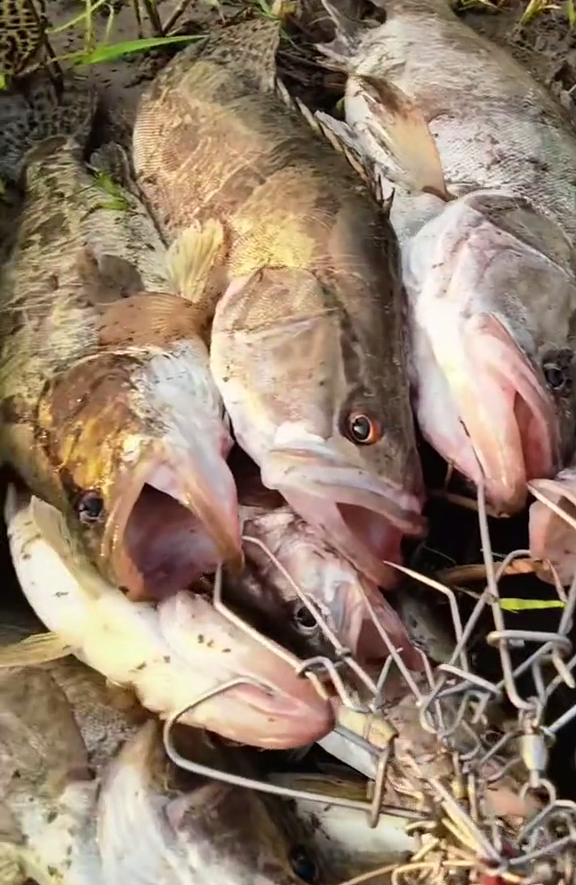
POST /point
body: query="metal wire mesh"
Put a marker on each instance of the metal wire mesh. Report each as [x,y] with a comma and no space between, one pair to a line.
[436,749]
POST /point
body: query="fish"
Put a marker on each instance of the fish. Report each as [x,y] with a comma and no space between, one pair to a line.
[310,597]
[295,268]
[108,408]
[88,795]
[22,37]
[315,580]
[480,158]
[177,654]
[206,831]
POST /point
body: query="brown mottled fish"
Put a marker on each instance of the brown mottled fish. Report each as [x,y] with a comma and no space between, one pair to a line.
[272,232]
[108,409]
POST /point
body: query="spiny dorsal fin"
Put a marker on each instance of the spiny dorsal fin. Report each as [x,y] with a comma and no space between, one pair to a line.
[349,32]
[325,131]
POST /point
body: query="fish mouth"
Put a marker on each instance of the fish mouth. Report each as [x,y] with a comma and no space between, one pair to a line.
[552,538]
[363,517]
[507,414]
[263,701]
[175,520]
[270,719]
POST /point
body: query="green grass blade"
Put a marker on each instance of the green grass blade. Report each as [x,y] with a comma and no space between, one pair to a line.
[112,51]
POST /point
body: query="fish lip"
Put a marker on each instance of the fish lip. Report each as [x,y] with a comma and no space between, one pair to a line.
[254,693]
[501,454]
[366,526]
[352,486]
[552,539]
[280,721]
[184,482]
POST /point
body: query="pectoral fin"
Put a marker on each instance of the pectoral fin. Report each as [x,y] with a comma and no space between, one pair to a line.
[149,318]
[196,264]
[399,124]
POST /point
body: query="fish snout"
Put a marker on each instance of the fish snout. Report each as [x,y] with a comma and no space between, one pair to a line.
[177,520]
[553,538]
[502,428]
[247,688]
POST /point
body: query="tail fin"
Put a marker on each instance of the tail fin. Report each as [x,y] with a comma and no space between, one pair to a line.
[36,110]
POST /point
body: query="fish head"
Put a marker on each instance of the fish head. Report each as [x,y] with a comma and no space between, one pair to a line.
[491,284]
[139,445]
[325,413]
[197,827]
[332,598]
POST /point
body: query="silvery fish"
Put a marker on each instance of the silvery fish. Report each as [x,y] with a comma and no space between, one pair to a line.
[274,237]
[482,160]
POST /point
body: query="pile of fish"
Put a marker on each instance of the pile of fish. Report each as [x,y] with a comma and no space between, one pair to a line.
[216,355]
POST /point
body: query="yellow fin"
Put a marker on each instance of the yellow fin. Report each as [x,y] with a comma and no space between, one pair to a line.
[196,262]
[149,318]
[39,649]
[405,134]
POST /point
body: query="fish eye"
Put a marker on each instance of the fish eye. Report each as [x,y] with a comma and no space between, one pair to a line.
[303,865]
[90,507]
[305,620]
[557,377]
[362,429]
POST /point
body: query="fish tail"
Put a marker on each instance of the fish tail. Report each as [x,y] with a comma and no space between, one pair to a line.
[36,110]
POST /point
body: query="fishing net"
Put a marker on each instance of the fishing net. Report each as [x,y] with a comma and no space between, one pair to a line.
[461,758]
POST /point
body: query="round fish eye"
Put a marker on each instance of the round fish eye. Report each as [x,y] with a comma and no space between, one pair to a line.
[305,620]
[362,430]
[557,377]
[90,507]
[303,865]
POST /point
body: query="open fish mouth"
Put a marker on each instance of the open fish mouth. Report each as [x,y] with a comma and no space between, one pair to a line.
[552,538]
[362,516]
[507,414]
[177,520]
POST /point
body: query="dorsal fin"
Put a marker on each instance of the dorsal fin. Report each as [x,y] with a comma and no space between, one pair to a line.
[320,128]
